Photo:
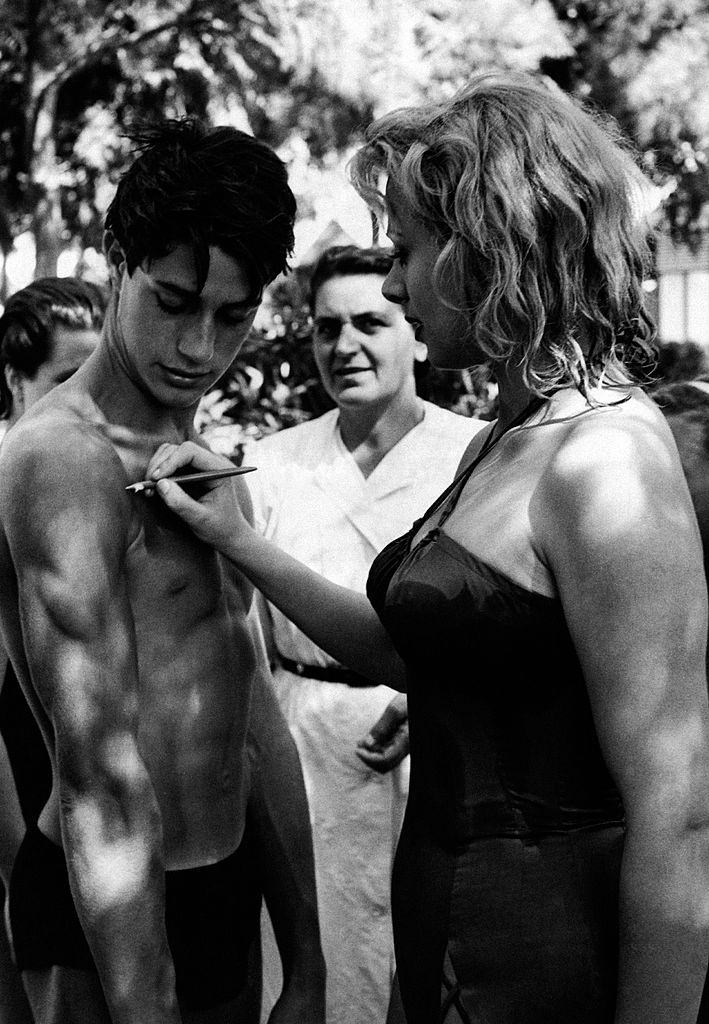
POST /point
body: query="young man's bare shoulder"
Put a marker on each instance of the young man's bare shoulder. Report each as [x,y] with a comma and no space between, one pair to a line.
[59,445]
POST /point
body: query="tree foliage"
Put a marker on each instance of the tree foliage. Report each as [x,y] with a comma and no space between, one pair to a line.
[74,74]
[645,63]
[306,76]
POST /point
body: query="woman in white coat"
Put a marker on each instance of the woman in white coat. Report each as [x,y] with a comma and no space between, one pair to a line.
[333,492]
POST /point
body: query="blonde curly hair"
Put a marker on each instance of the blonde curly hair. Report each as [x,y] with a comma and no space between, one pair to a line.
[536,202]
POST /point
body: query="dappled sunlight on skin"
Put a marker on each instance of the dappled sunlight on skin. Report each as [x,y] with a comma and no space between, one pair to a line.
[86,712]
[676,807]
[602,458]
[672,753]
[603,472]
[613,504]
[117,756]
[79,613]
[642,707]
[70,658]
[115,866]
[133,442]
[195,702]
[80,634]
[640,466]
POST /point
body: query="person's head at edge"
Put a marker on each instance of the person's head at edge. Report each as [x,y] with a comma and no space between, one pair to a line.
[685,405]
[514,215]
[201,221]
[47,331]
[363,347]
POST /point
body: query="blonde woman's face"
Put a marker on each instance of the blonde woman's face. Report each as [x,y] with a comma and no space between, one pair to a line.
[410,284]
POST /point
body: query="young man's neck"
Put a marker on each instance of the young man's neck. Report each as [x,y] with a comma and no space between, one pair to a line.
[124,403]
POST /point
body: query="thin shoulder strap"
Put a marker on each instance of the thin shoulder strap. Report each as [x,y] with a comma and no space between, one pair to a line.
[489,443]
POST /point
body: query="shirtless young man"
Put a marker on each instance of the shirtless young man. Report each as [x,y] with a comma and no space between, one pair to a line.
[134,643]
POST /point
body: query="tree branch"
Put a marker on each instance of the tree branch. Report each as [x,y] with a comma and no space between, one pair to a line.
[108,43]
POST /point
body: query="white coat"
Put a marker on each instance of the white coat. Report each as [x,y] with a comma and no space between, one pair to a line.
[312,500]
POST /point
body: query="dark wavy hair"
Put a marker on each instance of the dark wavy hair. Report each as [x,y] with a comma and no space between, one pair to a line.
[31,318]
[537,205]
[347,260]
[198,185]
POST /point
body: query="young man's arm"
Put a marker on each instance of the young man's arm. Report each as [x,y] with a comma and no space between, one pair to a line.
[279,825]
[79,641]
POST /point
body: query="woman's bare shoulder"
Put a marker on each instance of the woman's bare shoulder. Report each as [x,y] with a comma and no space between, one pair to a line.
[615,468]
[626,428]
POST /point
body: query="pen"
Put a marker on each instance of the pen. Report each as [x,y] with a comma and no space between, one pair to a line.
[190,478]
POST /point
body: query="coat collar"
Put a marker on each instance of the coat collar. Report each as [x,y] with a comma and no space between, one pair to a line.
[360,499]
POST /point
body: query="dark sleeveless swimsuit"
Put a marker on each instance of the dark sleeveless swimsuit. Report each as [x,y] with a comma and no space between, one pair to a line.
[509,856]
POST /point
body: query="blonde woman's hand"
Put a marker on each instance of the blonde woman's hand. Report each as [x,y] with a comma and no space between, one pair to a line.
[223,508]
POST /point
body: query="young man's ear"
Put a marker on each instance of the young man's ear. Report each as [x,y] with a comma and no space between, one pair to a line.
[420,351]
[14,383]
[115,257]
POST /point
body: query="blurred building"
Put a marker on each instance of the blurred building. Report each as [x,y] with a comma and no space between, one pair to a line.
[683,290]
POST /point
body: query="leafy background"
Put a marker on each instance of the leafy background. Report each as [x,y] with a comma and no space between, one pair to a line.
[306,76]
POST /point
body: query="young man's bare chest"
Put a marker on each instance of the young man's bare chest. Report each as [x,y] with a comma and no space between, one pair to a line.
[188,610]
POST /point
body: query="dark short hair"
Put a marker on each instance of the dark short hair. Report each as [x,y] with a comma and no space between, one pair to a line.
[346,260]
[31,318]
[201,186]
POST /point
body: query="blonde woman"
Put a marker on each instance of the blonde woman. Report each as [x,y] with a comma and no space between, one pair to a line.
[547,615]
